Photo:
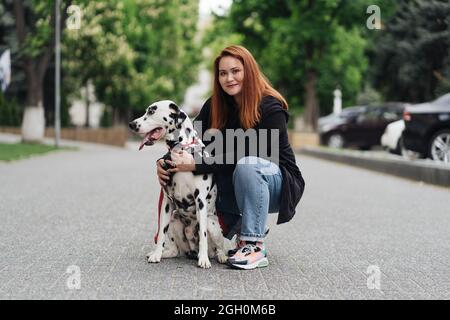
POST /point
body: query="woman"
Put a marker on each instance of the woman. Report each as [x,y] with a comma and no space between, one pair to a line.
[252,185]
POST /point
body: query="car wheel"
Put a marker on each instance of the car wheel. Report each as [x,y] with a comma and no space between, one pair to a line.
[407,154]
[336,140]
[439,148]
[398,149]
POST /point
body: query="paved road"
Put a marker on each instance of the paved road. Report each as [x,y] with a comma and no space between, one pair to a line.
[95,209]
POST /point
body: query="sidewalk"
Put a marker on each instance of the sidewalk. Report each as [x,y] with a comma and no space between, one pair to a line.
[94,211]
[425,170]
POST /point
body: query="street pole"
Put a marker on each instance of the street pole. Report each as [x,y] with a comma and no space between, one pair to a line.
[57,72]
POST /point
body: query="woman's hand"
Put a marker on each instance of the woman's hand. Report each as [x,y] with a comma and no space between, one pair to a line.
[183,161]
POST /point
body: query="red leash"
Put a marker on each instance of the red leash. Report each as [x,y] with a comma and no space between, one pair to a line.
[161,196]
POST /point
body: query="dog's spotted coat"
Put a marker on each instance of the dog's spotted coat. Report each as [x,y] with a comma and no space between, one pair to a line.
[189,223]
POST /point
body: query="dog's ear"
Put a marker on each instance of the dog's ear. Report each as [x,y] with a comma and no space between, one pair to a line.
[181,117]
[178,115]
[174,107]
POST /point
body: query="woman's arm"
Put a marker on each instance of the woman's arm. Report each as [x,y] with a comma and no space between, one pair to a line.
[275,118]
[206,163]
[183,161]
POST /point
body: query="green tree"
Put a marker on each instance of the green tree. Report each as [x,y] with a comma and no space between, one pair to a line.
[8,40]
[307,47]
[412,58]
[217,35]
[135,52]
[35,28]
[10,112]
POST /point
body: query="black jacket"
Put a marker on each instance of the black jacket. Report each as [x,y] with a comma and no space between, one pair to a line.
[273,116]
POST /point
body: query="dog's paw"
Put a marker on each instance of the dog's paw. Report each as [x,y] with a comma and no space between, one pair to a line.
[221,257]
[203,262]
[154,257]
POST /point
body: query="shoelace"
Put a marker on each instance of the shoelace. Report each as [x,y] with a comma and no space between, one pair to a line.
[249,247]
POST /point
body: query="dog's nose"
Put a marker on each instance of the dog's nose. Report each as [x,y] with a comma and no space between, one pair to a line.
[132,125]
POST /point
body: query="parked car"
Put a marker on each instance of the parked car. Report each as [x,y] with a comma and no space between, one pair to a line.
[392,141]
[328,125]
[344,114]
[362,128]
[427,129]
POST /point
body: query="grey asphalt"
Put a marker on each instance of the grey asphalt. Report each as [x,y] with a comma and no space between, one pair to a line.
[94,210]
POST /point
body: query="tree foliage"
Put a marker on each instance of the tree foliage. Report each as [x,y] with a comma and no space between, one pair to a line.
[412,60]
[8,40]
[27,28]
[135,52]
[308,47]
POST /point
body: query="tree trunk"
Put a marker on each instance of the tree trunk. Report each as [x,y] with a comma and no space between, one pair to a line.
[115,116]
[33,122]
[311,102]
[87,125]
[121,116]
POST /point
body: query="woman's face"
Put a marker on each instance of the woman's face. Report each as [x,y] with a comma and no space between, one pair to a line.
[231,75]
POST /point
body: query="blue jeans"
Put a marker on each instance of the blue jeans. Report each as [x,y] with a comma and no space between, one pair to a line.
[253,191]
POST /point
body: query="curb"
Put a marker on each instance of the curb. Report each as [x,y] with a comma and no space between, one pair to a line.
[426,171]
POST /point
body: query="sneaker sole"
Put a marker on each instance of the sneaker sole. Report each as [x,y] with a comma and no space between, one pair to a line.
[258,264]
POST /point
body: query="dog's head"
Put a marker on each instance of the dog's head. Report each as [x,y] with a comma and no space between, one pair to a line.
[160,119]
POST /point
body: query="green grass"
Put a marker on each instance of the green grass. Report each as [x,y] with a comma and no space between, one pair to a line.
[16,151]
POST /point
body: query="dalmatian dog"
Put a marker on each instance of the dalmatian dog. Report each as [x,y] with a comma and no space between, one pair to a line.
[188,221]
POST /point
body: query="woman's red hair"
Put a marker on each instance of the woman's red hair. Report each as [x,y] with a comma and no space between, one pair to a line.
[255,87]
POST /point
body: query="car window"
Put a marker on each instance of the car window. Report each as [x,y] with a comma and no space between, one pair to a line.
[369,115]
[348,115]
[351,112]
[390,115]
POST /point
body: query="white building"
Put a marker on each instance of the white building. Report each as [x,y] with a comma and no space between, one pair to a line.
[78,108]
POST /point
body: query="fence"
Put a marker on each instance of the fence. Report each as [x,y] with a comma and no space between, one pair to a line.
[299,139]
[116,136]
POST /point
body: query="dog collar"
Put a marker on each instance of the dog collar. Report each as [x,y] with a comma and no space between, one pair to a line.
[194,142]
[186,146]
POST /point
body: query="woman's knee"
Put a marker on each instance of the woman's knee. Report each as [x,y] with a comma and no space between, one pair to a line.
[245,168]
[249,167]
